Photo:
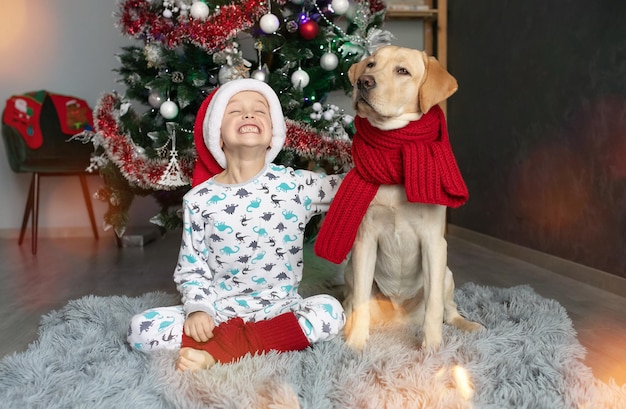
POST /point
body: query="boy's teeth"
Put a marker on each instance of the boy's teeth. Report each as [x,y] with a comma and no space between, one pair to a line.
[248,128]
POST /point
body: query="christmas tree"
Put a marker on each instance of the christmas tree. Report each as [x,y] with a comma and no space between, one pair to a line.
[301,48]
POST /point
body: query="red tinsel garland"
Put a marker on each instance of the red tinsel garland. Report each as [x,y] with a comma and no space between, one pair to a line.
[138,19]
[146,173]
[306,142]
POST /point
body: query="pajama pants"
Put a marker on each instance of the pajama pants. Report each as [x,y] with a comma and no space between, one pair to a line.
[321,318]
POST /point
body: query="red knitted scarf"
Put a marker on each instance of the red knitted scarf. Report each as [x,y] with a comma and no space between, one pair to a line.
[418,156]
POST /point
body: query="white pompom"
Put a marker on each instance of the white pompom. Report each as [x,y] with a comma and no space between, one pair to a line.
[269,23]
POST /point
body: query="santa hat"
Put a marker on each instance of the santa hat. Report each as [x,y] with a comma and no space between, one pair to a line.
[211,159]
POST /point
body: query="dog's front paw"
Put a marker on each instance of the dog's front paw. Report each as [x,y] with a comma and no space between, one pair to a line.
[356,333]
[432,342]
[357,339]
[466,325]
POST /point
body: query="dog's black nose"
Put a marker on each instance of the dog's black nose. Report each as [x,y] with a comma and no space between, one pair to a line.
[366,82]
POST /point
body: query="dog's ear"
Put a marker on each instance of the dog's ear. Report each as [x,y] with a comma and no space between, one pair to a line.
[353,72]
[437,86]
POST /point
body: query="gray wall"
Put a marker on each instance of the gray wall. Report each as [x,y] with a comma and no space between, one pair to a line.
[539,124]
[67,47]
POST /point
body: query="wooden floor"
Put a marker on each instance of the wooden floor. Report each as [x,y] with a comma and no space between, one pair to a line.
[70,268]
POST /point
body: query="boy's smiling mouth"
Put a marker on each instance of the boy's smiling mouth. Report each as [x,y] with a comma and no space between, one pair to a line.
[249,129]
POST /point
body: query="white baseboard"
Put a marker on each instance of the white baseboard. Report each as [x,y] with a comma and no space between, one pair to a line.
[588,275]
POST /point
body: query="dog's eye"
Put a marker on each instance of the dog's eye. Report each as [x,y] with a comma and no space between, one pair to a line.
[402,71]
[370,64]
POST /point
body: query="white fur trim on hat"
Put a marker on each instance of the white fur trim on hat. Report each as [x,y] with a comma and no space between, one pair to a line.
[212,123]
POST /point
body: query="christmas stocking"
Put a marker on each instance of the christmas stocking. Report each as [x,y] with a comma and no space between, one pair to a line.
[22,112]
[234,338]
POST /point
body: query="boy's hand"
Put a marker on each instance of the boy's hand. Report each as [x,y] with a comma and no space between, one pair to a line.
[199,326]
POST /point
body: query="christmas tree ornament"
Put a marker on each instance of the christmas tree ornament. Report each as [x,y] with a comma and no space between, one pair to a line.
[269,23]
[291,26]
[199,10]
[300,79]
[155,99]
[260,74]
[172,176]
[168,109]
[329,61]
[167,13]
[233,64]
[340,7]
[309,29]
[178,77]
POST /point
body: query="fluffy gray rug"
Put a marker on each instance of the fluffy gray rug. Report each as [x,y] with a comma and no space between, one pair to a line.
[527,358]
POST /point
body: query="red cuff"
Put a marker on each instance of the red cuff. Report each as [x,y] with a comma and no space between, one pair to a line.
[234,338]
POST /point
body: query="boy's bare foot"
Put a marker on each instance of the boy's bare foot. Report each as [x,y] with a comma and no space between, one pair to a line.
[190,359]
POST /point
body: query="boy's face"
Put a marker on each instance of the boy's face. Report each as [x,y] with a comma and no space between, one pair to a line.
[246,123]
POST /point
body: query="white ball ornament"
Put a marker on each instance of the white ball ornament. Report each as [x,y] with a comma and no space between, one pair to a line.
[340,6]
[329,61]
[168,109]
[260,75]
[199,10]
[269,23]
[300,78]
[167,13]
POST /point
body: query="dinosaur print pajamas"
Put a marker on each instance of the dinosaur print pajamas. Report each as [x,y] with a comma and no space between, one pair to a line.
[242,256]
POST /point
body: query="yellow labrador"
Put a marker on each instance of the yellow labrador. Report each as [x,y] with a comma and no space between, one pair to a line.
[398,267]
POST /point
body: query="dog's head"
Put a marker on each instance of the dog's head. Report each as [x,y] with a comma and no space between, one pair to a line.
[396,85]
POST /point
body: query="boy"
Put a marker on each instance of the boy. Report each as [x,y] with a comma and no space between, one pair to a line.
[240,261]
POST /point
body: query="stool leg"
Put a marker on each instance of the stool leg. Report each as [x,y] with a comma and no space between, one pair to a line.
[28,209]
[35,210]
[92,218]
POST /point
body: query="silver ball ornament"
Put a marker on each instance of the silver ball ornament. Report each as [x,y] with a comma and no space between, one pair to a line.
[168,109]
[329,61]
[260,75]
[300,79]
[155,99]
